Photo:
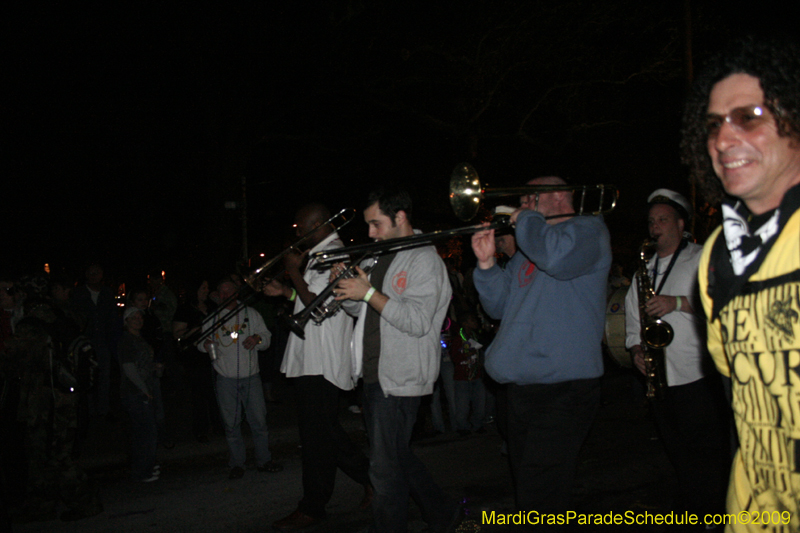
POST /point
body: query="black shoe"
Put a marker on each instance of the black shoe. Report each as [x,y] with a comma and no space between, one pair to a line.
[464,432]
[271,467]
[237,472]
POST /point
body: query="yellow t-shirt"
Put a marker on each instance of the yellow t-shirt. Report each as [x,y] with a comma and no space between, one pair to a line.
[756,341]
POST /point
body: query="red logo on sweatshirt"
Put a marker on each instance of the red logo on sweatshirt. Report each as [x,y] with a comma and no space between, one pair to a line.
[526,273]
[399,282]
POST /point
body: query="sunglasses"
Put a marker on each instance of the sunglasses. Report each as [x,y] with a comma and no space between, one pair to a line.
[744,119]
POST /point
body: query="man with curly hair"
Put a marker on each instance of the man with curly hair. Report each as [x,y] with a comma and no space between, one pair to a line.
[741,139]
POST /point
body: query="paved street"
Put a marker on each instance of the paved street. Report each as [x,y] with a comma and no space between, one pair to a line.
[622,468]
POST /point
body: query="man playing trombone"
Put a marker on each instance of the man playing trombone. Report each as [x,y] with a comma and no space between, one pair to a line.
[551,300]
[401,307]
[321,366]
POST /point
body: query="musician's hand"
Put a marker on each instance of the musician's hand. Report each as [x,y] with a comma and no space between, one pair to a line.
[336,269]
[637,355]
[513,217]
[274,288]
[353,288]
[484,248]
[207,345]
[660,305]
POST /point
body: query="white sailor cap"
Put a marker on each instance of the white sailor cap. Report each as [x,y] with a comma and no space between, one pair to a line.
[503,210]
[678,201]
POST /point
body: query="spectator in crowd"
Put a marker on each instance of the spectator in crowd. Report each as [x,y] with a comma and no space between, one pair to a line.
[186,325]
[95,303]
[232,347]
[466,353]
[155,336]
[137,384]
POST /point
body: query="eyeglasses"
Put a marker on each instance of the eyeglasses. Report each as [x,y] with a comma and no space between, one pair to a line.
[744,119]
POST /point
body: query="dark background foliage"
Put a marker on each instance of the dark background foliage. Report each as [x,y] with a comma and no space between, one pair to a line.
[128,126]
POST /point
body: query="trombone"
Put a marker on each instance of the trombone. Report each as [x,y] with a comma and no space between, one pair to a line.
[255,280]
[466,195]
[254,277]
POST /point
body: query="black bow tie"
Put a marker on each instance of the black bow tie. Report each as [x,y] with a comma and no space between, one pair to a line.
[749,243]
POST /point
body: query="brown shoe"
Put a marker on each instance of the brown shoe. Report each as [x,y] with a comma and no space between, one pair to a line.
[366,501]
[295,521]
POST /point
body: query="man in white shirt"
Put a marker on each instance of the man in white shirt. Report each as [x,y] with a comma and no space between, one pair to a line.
[691,417]
[321,367]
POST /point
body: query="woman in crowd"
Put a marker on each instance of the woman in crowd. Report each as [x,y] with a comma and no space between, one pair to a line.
[199,373]
[155,337]
[137,382]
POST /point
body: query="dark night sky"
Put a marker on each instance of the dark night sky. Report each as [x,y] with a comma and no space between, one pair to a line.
[128,126]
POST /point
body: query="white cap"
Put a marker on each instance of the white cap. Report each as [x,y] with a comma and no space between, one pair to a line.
[503,210]
[678,201]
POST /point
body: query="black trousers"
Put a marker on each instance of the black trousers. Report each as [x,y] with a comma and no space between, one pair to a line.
[547,424]
[326,446]
[692,421]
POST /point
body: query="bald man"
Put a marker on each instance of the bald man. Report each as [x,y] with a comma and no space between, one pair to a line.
[551,300]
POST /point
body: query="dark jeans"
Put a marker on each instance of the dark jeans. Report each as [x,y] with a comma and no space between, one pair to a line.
[326,446]
[547,424]
[396,473]
[144,435]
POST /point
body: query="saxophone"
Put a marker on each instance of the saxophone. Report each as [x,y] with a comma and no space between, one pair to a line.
[656,334]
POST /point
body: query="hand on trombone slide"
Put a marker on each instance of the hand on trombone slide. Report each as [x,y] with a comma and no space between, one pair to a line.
[484,247]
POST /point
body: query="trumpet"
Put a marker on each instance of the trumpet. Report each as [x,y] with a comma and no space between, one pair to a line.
[466,195]
[255,280]
[323,306]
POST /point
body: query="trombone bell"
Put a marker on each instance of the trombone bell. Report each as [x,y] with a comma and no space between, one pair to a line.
[466,191]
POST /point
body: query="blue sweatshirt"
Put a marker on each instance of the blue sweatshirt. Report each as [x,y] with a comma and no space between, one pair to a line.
[551,301]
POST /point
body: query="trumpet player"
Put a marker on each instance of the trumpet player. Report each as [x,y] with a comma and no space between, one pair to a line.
[690,418]
[401,306]
[320,367]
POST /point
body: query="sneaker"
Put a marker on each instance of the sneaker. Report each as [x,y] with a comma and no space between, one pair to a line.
[152,478]
[237,472]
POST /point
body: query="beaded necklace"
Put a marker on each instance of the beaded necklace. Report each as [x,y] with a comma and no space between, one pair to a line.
[233,333]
